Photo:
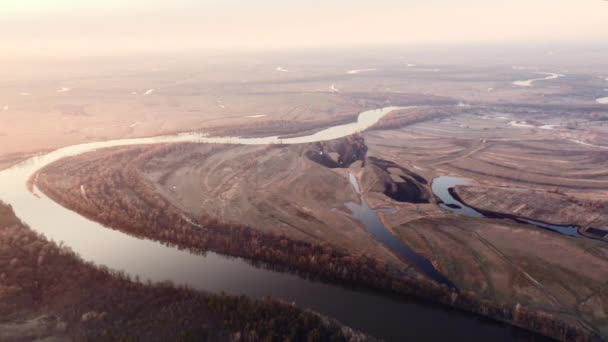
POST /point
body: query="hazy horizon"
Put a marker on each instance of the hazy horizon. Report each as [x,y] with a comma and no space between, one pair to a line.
[85,28]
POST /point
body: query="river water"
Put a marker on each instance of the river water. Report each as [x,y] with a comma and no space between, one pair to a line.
[394,319]
[368,217]
[528,83]
[441,188]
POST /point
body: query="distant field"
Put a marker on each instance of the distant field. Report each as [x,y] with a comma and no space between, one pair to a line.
[61,103]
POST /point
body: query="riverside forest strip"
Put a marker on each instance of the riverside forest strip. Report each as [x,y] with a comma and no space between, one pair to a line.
[48,292]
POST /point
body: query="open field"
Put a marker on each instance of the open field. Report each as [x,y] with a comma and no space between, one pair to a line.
[523,168]
[257,197]
[280,192]
[554,207]
[505,262]
[498,148]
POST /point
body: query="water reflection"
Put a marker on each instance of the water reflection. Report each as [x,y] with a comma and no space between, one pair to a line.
[441,188]
[368,217]
[383,316]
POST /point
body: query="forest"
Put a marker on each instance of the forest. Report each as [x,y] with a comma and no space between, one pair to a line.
[82,302]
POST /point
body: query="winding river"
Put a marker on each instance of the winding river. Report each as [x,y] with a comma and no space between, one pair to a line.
[528,83]
[394,319]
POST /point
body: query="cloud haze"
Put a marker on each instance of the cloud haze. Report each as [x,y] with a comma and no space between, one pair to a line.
[84,27]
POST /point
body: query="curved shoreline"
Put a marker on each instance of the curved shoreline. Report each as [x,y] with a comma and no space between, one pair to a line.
[522,219]
[374,225]
[529,83]
[148,258]
[452,202]
[463,309]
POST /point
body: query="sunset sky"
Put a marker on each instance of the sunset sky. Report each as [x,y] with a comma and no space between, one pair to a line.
[87,27]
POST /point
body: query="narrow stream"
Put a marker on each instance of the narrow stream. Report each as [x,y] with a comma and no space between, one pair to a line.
[441,188]
[369,218]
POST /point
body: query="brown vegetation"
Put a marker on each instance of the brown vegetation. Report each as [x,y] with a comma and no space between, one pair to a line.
[395,181]
[145,213]
[409,116]
[81,302]
[339,153]
[121,198]
[520,266]
[551,206]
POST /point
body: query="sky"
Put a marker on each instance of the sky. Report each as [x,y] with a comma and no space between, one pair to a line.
[114,27]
